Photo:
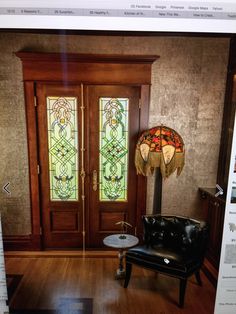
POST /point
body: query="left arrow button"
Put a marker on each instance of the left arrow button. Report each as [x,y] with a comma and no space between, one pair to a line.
[6,188]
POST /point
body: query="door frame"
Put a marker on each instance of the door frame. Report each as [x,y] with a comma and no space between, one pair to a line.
[88,69]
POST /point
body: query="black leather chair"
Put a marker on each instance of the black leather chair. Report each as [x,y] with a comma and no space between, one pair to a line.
[173,245]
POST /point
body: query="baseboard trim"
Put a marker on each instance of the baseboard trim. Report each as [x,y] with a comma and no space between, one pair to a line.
[63,254]
[22,242]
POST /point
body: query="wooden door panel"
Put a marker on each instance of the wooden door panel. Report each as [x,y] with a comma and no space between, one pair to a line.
[63,220]
[60,204]
[104,214]
[108,220]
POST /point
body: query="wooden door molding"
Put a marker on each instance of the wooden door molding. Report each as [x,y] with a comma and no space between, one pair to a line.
[96,69]
[88,69]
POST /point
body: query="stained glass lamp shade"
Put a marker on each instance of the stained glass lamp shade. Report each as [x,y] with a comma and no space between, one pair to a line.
[160,147]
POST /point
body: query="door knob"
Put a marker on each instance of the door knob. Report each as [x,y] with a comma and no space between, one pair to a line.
[95,180]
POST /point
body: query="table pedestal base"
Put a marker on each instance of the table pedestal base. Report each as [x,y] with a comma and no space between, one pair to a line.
[122,242]
[120,272]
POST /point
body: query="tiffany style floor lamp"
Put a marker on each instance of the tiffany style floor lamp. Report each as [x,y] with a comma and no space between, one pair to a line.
[160,149]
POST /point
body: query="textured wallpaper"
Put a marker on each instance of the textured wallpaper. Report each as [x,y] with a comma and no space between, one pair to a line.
[187,94]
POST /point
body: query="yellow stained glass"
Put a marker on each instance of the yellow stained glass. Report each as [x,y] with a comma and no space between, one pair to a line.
[113,149]
[63,148]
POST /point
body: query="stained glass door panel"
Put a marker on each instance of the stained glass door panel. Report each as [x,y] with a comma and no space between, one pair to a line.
[113,148]
[113,130]
[59,127]
[63,148]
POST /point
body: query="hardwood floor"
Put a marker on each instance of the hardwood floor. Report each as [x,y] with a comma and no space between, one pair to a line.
[47,279]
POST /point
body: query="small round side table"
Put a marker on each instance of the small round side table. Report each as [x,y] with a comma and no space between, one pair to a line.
[121,242]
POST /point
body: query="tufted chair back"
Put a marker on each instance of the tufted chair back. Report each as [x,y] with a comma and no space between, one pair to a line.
[177,233]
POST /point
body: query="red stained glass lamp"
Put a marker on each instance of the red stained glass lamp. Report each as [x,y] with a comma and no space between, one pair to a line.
[160,148]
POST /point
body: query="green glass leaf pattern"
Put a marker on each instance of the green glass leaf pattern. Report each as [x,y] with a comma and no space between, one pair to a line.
[63,148]
[113,146]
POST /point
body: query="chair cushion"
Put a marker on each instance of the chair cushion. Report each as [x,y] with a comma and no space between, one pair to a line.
[163,259]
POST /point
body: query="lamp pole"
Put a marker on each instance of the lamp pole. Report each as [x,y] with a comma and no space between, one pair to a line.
[157,195]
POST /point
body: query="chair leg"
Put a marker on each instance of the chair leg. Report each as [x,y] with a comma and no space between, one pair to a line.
[182,288]
[128,271]
[198,277]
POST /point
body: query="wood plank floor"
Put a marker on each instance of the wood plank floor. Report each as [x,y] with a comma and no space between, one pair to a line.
[47,279]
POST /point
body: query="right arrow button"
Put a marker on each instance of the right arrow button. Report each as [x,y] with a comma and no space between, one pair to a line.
[220,192]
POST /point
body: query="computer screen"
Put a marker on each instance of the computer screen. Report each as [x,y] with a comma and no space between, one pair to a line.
[188,48]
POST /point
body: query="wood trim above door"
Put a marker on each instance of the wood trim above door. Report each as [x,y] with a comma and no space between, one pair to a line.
[75,57]
[94,69]
[88,69]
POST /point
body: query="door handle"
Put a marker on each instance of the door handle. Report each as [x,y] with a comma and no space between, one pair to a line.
[95,180]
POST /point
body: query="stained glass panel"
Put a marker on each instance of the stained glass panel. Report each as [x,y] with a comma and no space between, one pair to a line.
[113,145]
[63,148]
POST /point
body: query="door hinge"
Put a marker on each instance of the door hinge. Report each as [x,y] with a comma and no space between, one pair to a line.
[139,103]
[35,101]
[40,231]
[38,169]
[135,231]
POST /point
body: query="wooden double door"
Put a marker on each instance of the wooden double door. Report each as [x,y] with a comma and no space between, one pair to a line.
[86,141]
[84,114]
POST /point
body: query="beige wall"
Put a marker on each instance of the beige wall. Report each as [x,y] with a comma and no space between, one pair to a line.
[187,94]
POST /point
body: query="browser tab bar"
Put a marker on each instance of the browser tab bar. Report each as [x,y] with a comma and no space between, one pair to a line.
[151,15]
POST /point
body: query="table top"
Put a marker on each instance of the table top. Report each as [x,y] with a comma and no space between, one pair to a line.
[120,241]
